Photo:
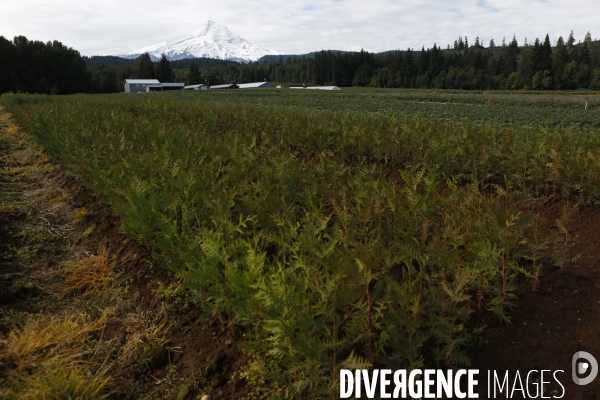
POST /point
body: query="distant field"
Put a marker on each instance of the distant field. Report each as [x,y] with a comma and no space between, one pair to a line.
[342,229]
[500,108]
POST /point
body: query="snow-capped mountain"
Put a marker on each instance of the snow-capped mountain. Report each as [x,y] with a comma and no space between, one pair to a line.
[210,41]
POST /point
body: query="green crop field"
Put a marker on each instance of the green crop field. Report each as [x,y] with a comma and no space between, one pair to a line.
[343,230]
[575,109]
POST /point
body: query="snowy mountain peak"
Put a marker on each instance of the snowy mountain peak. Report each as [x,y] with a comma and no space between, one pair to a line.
[210,28]
[211,40]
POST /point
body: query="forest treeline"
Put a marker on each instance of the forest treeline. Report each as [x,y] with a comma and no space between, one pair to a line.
[37,67]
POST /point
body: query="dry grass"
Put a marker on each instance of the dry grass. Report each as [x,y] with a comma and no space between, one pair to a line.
[42,342]
[66,383]
[96,343]
[39,359]
[81,215]
[146,334]
[89,275]
[43,159]
[63,196]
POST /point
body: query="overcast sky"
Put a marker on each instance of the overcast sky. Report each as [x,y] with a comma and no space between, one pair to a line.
[296,26]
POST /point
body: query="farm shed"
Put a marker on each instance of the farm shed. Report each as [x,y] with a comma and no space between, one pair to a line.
[172,86]
[229,86]
[324,87]
[257,85]
[154,88]
[139,85]
[196,87]
[317,87]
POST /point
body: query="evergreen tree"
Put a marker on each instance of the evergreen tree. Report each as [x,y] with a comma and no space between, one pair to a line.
[193,75]
[526,67]
[584,54]
[38,67]
[543,56]
[423,62]
[510,58]
[570,42]
[560,58]
[561,54]
[163,71]
[143,68]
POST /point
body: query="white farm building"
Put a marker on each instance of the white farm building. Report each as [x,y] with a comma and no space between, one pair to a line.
[256,85]
[149,85]
[317,87]
[139,85]
[200,86]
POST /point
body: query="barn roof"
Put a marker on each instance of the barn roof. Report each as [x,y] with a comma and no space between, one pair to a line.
[143,81]
[324,87]
[256,85]
[229,86]
[198,86]
[316,87]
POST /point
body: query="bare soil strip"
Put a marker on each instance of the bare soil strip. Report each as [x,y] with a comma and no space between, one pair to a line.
[560,318]
[84,311]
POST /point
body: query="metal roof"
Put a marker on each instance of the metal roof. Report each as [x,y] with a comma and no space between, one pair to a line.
[316,87]
[231,85]
[256,85]
[198,86]
[143,81]
[173,84]
[324,87]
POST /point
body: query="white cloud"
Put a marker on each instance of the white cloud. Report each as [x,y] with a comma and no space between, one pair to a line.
[296,26]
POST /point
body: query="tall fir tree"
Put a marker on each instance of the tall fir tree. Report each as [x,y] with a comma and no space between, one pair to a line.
[561,54]
[510,57]
[163,70]
[143,68]
[544,61]
[193,74]
[570,41]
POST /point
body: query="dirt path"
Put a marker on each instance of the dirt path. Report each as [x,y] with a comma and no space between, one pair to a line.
[559,319]
[82,306]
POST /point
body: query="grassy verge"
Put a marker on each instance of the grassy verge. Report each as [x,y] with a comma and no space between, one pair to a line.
[59,292]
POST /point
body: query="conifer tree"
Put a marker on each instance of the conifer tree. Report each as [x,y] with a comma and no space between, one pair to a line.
[561,54]
[510,60]
[544,56]
[570,41]
[193,74]
[584,54]
[143,67]
[164,73]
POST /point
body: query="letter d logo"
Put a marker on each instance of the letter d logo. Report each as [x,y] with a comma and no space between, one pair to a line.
[584,367]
